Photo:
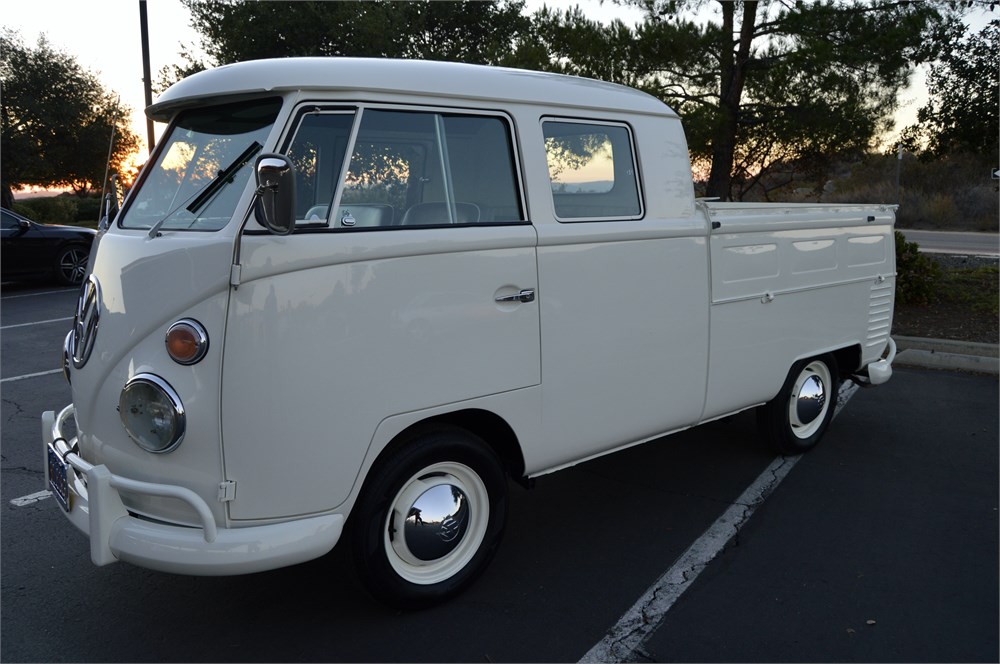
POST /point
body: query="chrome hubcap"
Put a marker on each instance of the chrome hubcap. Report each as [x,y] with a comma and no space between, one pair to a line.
[809,401]
[812,396]
[436,522]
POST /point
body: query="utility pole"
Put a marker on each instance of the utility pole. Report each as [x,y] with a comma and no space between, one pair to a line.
[147,82]
[899,168]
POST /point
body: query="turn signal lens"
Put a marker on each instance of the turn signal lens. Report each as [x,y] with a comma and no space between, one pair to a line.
[187,341]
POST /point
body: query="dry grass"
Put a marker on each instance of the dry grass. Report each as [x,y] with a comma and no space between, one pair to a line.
[954,193]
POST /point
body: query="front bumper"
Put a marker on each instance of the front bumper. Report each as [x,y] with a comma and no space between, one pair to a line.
[115,534]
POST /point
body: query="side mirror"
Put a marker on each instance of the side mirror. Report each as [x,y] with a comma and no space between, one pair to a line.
[275,206]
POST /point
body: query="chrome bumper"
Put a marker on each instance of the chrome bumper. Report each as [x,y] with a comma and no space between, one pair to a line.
[97,511]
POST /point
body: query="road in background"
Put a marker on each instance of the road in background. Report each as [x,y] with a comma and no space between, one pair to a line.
[948,242]
[893,519]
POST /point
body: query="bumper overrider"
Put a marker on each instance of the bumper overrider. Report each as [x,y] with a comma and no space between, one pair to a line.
[881,371]
[96,508]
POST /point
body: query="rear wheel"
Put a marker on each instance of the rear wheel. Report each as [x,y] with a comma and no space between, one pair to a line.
[795,420]
[429,519]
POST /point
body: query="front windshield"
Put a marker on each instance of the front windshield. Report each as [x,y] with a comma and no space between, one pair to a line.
[201,143]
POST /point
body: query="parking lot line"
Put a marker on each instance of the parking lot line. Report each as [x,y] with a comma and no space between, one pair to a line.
[624,641]
[31,375]
[51,292]
[645,616]
[40,322]
[31,499]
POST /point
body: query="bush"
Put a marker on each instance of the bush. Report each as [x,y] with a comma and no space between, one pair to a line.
[917,276]
[64,210]
[945,193]
[52,210]
[88,211]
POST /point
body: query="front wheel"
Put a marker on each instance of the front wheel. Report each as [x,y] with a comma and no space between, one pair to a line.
[429,519]
[795,420]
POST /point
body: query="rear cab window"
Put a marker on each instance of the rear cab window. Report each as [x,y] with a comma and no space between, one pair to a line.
[593,171]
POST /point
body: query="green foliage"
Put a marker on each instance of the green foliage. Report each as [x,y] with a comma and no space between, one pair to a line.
[917,276]
[952,192]
[961,115]
[236,30]
[977,287]
[761,84]
[770,92]
[88,211]
[56,120]
[50,210]
[64,209]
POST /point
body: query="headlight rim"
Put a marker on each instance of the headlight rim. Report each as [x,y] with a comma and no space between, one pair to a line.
[180,417]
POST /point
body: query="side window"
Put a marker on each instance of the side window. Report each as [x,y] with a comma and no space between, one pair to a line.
[413,168]
[317,151]
[9,221]
[592,170]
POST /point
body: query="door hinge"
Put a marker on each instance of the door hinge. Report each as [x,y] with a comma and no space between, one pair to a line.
[234,274]
[227,491]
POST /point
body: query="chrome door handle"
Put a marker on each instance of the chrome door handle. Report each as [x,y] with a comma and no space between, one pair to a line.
[526,295]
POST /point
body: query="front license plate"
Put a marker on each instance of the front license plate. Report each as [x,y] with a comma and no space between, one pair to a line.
[58,482]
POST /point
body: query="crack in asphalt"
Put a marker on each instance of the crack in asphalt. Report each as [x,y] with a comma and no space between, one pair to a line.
[624,642]
[18,409]
[22,470]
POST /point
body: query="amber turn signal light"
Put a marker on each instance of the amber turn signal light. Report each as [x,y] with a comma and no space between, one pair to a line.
[187,341]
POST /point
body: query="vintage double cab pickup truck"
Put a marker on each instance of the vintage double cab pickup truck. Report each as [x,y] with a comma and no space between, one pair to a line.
[349,300]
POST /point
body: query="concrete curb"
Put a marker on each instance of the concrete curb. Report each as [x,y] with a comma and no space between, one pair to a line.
[947,354]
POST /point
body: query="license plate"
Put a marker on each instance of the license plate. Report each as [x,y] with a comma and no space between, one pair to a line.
[58,482]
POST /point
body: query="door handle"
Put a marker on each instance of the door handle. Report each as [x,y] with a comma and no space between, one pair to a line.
[526,295]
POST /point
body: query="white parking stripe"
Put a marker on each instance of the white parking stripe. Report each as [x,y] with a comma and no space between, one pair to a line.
[31,499]
[32,375]
[625,639]
[51,292]
[41,322]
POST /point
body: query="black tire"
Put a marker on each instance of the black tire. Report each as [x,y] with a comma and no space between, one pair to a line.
[456,480]
[796,419]
[71,264]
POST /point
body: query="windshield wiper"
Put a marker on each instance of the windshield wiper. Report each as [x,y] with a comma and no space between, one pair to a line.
[224,177]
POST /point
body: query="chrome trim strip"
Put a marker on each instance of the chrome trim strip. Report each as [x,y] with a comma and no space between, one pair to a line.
[791,291]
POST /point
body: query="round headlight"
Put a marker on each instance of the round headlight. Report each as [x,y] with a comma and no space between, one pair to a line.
[152,413]
[187,341]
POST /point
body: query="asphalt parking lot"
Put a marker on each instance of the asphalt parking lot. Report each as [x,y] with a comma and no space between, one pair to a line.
[881,545]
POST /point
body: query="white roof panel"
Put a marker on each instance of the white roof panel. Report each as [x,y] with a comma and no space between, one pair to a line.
[415,77]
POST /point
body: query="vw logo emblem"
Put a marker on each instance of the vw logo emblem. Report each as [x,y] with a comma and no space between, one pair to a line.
[451,528]
[88,314]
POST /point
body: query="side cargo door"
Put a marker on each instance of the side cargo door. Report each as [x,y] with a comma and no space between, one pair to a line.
[407,284]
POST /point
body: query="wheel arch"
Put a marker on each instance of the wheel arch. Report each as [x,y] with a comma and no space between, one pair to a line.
[488,426]
[848,360]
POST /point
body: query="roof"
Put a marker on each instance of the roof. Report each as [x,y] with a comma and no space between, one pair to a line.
[419,77]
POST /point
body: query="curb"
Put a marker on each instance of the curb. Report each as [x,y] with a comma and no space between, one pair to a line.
[948,354]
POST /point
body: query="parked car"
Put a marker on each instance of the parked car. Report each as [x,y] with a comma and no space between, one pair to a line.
[44,251]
